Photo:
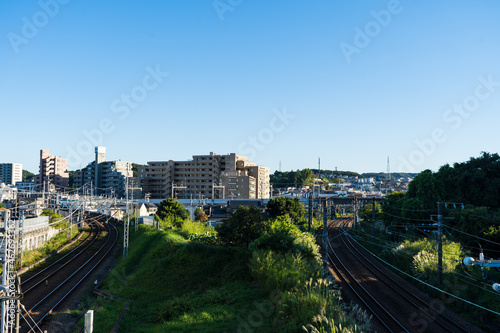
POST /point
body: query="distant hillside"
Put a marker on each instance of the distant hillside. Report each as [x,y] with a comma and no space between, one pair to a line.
[28,176]
[337,173]
[304,177]
[394,175]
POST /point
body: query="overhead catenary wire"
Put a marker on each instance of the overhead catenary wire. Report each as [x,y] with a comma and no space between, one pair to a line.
[456,275]
[466,233]
[429,285]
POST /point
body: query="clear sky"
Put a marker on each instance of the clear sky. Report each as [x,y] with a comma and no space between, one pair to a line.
[352,82]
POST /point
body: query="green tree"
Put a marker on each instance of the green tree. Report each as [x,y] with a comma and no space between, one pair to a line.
[367,212]
[244,226]
[424,187]
[292,178]
[173,209]
[281,206]
[199,215]
[54,217]
[135,169]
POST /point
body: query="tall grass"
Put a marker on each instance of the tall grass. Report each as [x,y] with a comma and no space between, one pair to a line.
[420,258]
[307,300]
[282,271]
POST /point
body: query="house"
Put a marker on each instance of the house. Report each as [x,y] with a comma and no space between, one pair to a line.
[147,209]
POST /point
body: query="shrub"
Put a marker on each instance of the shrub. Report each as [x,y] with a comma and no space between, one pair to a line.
[284,236]
[206,238]
[244,226]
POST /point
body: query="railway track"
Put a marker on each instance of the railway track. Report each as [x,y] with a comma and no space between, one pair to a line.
[49,288]
[40,277]
[379,312]
[394,307]
[431,313]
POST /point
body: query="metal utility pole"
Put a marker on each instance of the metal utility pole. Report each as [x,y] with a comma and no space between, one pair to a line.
[310,215]
[9,285]
[387,176]
[373,219]
[440,243]
[218,187]
[70,220]
[355,210]
[20,241]
[136,218]
[126,224]
[174,187]
[325,234]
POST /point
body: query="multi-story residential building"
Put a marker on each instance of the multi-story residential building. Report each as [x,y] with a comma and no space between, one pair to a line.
[238,184]
[11,173]
[262,180]
[205,176]
[53,171]
[103,177]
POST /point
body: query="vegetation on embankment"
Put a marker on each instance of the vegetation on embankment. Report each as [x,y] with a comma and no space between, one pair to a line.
[177,281]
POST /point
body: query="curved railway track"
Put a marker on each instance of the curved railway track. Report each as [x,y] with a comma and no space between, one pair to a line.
[393,306]
[46,273]
[44,295]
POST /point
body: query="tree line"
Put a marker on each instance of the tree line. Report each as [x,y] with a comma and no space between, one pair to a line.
[469,191]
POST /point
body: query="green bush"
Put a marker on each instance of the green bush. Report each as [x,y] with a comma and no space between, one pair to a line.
[420,257]
[284,236]
[205,238]
[245,225]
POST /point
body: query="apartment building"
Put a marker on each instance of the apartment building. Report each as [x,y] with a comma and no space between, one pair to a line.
[11,173]
[53,171]
[205,176]
[102,177]
[262,180]
[238,184]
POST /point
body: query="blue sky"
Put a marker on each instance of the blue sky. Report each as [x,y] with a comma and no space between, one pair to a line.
[290,81]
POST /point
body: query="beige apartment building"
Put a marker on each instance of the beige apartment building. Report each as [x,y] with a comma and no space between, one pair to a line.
[53,171]
[205,176]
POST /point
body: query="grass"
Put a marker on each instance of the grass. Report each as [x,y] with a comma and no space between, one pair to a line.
[175,285]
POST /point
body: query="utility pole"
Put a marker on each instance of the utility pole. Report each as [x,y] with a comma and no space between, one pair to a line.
[440,243]
[70,221]
[355,209]
[310,215]
[126,224]
[9,278]
[43,194]
[174,187]
[373,219]
[325,234]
